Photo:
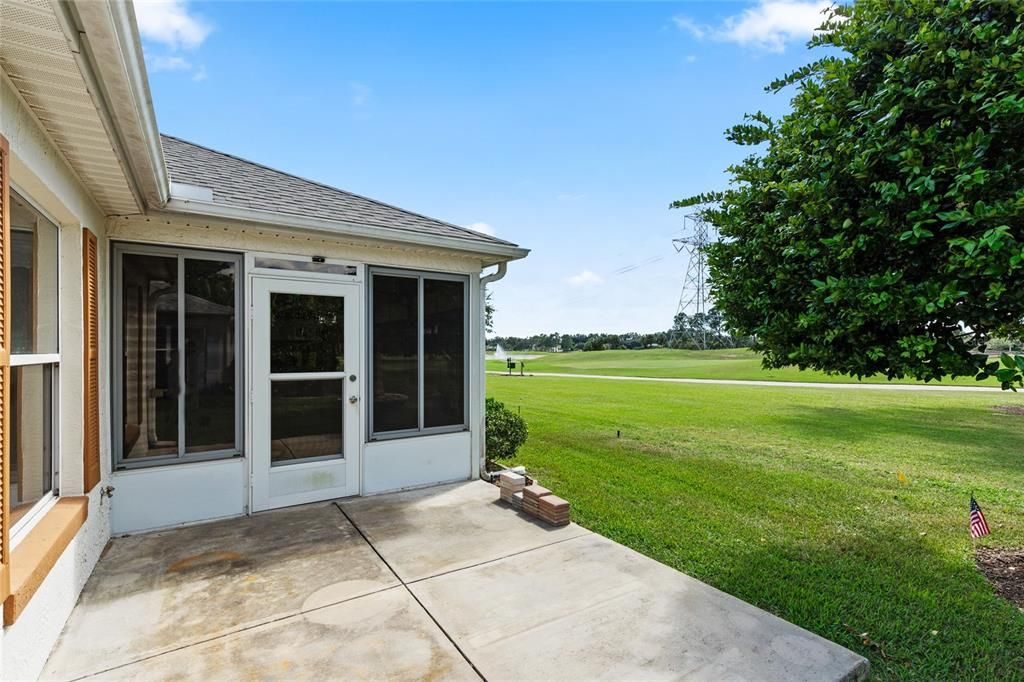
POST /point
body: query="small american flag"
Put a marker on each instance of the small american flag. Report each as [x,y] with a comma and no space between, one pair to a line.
[979,527]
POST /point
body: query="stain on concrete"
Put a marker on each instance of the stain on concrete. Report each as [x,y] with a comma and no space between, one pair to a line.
[206,560]
[156,592]
[398,641]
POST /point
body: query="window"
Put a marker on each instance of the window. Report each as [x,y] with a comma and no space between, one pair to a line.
[34,359]
[307,352]
[444,352]
[177,337]
[419,353]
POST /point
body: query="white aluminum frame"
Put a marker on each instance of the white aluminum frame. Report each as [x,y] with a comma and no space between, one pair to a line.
[253,269]
[262,471]
[421,429]
[21,528]
[117,250]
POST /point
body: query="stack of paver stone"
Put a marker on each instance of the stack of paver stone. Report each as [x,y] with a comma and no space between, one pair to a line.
[553,510]
[511,485]
[534,499]
[531,498]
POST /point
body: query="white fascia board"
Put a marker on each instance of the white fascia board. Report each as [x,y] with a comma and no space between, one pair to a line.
[489,253]
[127,30]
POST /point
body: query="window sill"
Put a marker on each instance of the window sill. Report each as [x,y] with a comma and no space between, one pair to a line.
[39,550]
[27,521]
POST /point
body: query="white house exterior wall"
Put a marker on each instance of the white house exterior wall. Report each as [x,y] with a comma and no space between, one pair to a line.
[158,497]
[40,172]
[164,496]
[410,463]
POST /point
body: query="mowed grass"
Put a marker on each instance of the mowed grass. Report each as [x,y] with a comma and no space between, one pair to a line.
[736,363]
[789,499]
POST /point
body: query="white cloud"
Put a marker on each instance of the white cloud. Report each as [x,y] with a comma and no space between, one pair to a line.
[698,31]
[165,63]
[691,58]
[482,227]
[583,279]
[170,23]
[769,25]
[361,94]
[160,62]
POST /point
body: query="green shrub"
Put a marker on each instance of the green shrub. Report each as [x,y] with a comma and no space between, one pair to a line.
[506,431]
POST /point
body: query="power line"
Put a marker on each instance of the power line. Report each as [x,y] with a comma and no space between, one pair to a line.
[625,269]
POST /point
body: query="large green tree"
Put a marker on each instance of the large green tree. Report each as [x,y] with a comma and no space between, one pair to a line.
[881,228]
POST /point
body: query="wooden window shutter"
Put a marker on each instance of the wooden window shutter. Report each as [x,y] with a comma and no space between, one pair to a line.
[5,369]
[91,324]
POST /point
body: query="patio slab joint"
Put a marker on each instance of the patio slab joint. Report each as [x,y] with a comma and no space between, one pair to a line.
[412,594]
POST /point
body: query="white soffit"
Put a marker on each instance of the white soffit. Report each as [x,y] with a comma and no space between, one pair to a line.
[36,56]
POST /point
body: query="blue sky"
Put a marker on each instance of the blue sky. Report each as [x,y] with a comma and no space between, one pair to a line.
[567,128]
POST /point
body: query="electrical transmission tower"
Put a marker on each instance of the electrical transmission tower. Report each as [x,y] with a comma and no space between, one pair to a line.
[694,298]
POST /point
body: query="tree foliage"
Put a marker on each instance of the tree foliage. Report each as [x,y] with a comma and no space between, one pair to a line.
[704,330]
[555,342]
[688,331]
[488,313]
[881,231]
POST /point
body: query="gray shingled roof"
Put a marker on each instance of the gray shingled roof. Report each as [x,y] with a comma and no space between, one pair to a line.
[244,184]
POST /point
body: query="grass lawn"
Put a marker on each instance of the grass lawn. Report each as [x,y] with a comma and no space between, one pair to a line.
[738,363]
[789,499]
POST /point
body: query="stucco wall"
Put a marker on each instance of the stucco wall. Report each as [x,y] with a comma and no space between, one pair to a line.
[43,176]
[26,645]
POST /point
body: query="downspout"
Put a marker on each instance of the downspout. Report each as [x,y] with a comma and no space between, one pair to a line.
[484,281]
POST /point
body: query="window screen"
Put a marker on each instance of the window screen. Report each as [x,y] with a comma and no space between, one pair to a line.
[418,330]
[34,358]
[177,334]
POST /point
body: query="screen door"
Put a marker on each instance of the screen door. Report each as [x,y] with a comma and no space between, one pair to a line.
[305,391]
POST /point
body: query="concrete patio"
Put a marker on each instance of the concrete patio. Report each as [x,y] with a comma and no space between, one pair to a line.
[441,583]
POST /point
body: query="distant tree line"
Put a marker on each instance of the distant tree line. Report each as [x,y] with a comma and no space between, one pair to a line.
[555,342]
[704,330]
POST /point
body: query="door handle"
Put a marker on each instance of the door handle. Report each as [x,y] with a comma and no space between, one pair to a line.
[353,399]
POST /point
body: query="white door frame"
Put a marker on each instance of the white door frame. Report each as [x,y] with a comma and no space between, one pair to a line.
[315,480]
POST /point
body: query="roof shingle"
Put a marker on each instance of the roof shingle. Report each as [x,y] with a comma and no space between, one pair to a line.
[244,184]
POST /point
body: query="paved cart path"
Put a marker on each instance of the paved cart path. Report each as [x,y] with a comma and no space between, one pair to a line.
[748,382]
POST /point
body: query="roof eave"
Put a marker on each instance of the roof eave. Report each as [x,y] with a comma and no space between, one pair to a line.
[489,253]
[111,60]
